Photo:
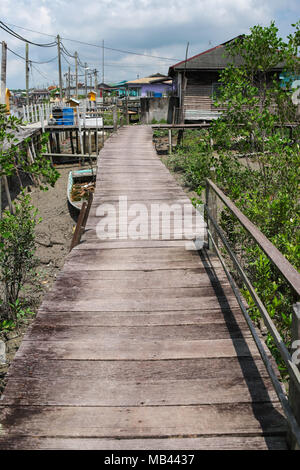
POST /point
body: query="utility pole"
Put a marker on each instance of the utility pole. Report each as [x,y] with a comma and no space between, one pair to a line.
[96,81]
[2,101]
[76,74]
[103,61]
[85,79]
[59,68]
[3,72]
[69,82]
[27,72]
[103,68]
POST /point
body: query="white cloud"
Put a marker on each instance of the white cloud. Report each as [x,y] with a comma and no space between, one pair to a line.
[146,26]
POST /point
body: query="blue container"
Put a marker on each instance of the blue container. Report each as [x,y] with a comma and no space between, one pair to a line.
[68,116]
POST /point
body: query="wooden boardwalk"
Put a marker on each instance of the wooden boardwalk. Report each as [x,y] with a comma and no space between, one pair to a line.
[140,344]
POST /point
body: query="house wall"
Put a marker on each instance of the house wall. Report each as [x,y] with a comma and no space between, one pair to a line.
[158,109]
[155,88]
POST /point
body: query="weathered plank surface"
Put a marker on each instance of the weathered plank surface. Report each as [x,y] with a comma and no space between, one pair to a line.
[141,343]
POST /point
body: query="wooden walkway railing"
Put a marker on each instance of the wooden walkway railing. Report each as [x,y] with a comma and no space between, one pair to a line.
[290,404]
[141,343]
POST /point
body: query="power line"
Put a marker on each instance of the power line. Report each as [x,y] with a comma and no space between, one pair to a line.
[94,45]
[21,38]
[33,61]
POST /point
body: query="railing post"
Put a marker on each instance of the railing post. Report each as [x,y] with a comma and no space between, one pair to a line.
[294,395]
[115,118]
[170,141]
[211,203]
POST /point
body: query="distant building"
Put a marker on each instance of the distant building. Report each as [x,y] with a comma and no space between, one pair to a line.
[38,96]
[197,82]
[156,86]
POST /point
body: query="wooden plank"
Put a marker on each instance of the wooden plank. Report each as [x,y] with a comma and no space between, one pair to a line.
[138,350]
[139,305]
[145,278]
[148,293]
[140,333]
[201,443]
[139,371]
[150,422]
[129,318]
[105,392]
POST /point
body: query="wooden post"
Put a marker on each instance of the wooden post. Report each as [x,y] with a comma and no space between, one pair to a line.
[78,228]
[96,140]
[127,115]
[71,141]
[42,118]
[10,205]
[211,203]
[294,395]
[84,142]
[90,143]
[115,118]
[180,137]
[170,141]
[57,142]
[77,142]
[86,214]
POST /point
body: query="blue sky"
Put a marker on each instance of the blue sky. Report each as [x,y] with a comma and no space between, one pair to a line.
[149,27]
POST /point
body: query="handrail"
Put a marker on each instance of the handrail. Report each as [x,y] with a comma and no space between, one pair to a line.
[290,406]
[282,264]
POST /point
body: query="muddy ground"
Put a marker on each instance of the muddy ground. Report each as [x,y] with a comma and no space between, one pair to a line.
[53,238]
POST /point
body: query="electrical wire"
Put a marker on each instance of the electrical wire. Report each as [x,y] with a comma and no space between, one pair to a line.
[21,38]
[33,61]
[91,44]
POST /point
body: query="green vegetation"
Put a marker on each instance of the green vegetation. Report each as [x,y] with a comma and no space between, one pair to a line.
[17,228]
[256,164]
[17,260]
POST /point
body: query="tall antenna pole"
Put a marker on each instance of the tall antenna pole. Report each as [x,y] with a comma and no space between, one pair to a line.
[59,68]
[27,72]
[76,74]
[103,61]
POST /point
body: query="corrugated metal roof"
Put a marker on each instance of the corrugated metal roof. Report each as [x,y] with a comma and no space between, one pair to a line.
[215,58]
[148,80]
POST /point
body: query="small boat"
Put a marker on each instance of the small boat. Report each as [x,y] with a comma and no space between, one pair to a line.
[80,184]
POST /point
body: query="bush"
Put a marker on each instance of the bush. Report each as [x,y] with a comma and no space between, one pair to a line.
[17,253]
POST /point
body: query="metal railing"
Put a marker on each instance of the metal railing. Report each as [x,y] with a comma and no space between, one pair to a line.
[290,403]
